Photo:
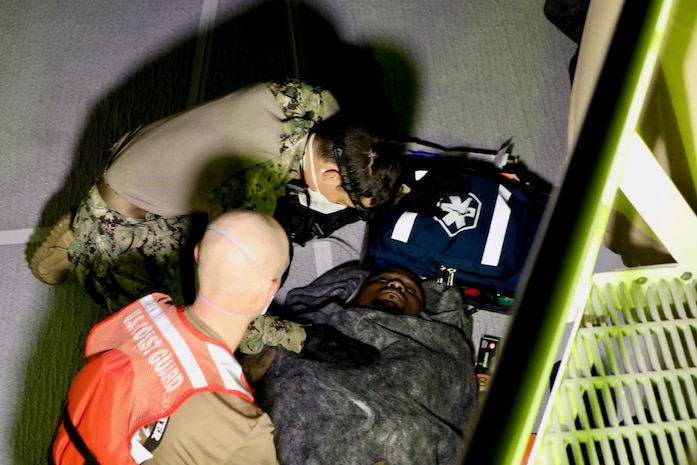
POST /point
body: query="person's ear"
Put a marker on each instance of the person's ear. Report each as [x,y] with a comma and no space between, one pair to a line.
[331,176]
[196,253]
[272,290]
[267,296]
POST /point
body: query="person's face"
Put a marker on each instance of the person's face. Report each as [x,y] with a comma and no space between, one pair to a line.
[393,291]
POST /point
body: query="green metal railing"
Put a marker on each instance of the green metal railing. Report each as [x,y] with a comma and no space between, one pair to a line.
[558,275]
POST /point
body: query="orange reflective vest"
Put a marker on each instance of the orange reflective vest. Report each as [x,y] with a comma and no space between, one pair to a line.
[142,363]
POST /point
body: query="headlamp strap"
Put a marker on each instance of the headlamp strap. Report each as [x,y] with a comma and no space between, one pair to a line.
[346,182]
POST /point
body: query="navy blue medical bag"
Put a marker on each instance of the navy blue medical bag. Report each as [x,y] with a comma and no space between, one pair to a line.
[469,220]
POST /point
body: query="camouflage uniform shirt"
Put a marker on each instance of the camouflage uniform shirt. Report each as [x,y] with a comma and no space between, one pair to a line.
[238,151]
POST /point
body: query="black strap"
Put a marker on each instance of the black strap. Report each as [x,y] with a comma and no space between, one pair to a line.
[76,439]
[347,183]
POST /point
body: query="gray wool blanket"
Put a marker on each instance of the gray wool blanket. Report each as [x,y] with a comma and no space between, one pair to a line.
[411,407]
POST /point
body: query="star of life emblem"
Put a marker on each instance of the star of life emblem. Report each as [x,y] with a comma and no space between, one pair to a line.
[461,213]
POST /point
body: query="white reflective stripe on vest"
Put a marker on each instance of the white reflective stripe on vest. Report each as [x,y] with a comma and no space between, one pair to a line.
[497,231]
[179,345]
[230,371]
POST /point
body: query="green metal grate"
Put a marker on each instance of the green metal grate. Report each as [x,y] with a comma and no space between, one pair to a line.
[628,392]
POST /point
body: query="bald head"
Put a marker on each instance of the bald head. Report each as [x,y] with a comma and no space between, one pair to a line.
[241,255]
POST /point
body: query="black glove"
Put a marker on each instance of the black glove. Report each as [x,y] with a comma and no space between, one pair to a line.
[326,344]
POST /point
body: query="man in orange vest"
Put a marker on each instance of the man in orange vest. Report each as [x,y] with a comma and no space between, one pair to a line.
[161,383]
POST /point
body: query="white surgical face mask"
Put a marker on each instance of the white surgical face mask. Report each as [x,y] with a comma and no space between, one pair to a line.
[318,202]
[265,309]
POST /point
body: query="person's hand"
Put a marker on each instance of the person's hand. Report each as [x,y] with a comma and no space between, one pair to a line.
[326,344]
[255,366]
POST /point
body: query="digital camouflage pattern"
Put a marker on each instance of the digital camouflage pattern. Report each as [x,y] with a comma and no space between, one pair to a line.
[258,187]
[116,258]
[120,259]
[255,188]
[268,330]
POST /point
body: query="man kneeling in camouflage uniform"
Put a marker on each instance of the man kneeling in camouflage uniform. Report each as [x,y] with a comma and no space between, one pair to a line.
[126,238]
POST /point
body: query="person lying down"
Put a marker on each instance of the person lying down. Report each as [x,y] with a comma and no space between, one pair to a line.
[411,406]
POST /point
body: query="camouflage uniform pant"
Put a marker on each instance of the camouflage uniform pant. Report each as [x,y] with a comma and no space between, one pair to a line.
[119,259]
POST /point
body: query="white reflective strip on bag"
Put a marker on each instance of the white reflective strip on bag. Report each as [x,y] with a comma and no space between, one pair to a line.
[180,347]
[499,226]
[403,226]
[230,371]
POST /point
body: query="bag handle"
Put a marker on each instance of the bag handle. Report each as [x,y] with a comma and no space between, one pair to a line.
[498,157]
